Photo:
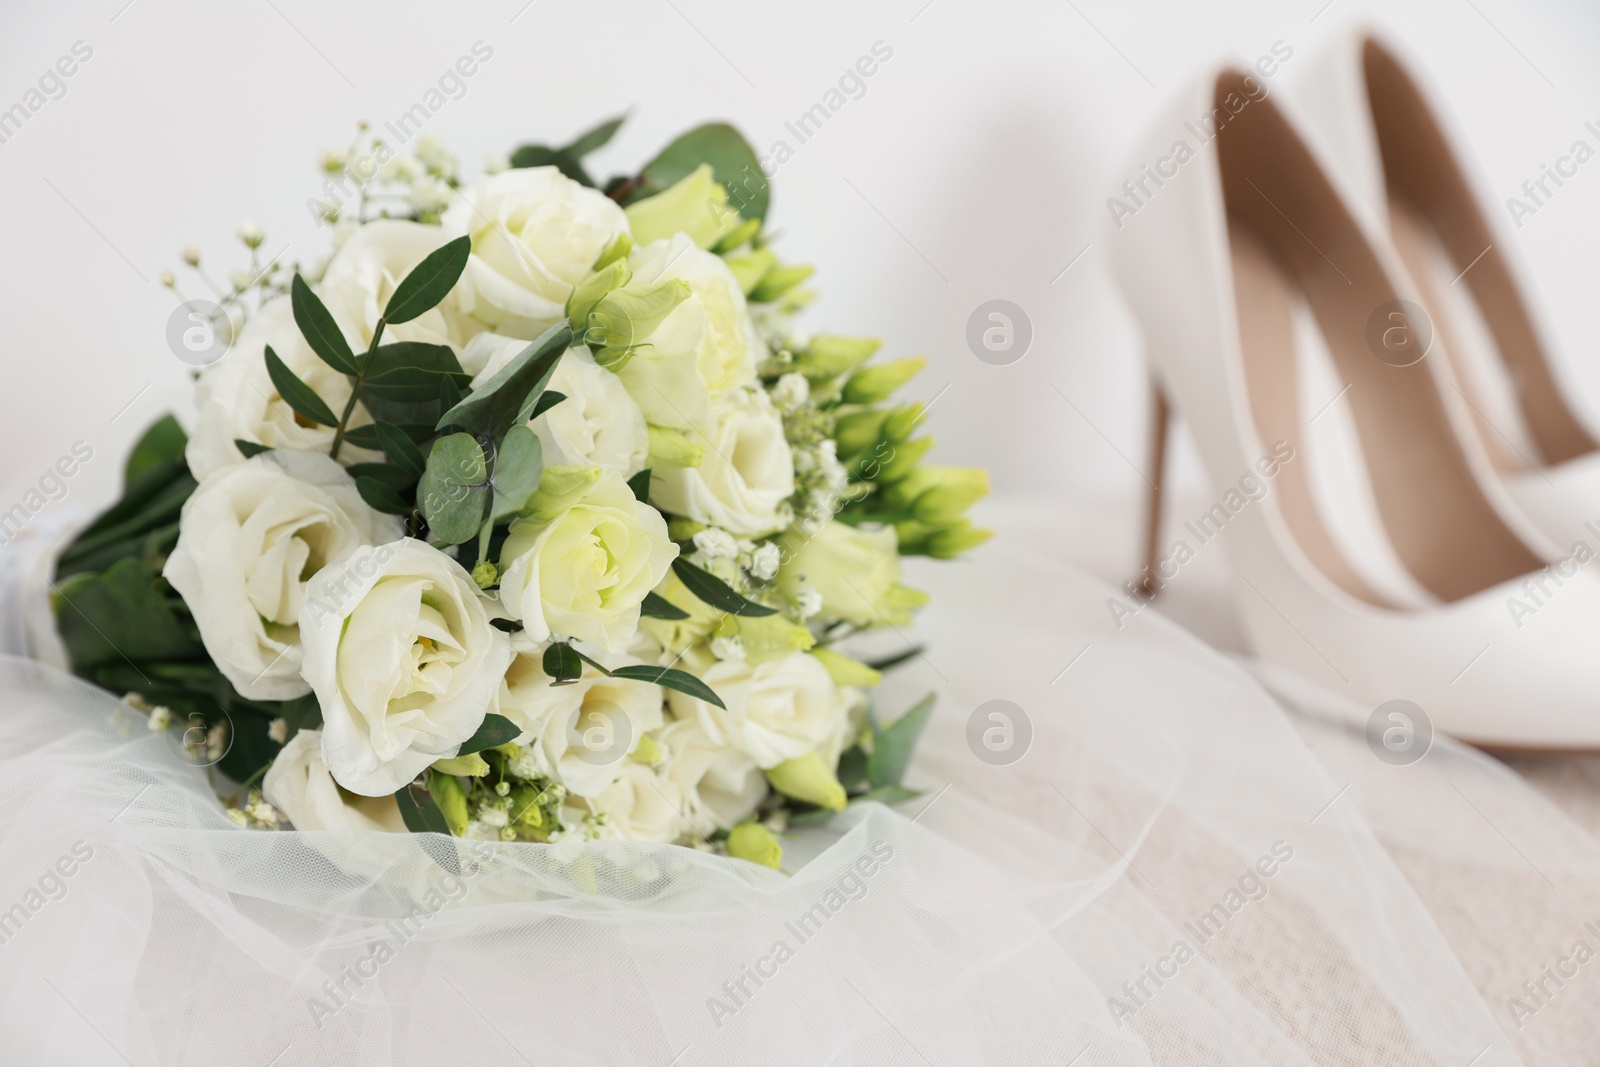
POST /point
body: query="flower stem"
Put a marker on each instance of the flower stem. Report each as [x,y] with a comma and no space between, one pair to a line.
[355,391]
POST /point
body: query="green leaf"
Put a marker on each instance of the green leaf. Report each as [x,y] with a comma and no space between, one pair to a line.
[165,440]
[538,155]
[668,678]
[888,794]
[510,395]
[594,139]
[367,436]
[891,748]
[659,607]
[732,160]
[121,616]
[249,448]
[429,282]
[152,502]
[640,484]
[297,394]
[562,663]
[891,662]
[321,332]
[547,400]
[517,467]
[717,593]
[454,490]
[389,474]
[420,812]
[852,769]
[380,497]
[507,626]
[410,371]
[496,730]
[400,448]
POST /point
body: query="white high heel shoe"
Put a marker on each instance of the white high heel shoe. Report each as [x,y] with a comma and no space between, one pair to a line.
[1222,244]
[1373,117]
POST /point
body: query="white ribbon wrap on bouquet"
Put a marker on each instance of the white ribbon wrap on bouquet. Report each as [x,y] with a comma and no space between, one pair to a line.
[1167,875]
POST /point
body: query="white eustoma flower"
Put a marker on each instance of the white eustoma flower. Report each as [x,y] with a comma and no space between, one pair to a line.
[582,557]
[299,785]
[578,734]
[535,234]
[597,425]
[778,710]
[639,806]
[704,348]
[248,539]
[401,656]
[747,473]
[363,274]
[235,399]
[721,786]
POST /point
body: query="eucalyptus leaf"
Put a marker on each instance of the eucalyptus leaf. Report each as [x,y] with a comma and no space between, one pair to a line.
[296,393]
[454,491]
[596,138]
[717,593]
[509,396]
[562,663]
[495,730]
[429,281]
[517,468]
[669,678]
[121,616]
[318,327]
[732,160]
[891,748]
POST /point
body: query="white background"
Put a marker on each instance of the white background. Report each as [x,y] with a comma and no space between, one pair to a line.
[976,166]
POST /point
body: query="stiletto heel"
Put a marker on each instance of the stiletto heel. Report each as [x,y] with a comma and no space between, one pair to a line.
[1160,425]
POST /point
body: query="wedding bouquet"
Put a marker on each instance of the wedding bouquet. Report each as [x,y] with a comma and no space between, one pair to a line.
[526,516]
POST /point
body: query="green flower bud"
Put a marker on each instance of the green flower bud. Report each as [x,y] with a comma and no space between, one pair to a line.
[766,638]
[696,205]
[647,751]
[682,529]
[753,842]
[872,384]
[808,779]
[616,250]
[560,488]
[778,281]
[828,356]
[589,291]
[846,671]
[446,792]
[901,422]
[485,574]
[471,765]
[939,495]
[627,317]
[858,431]
[740,234]
[952,541]
[750,268]
[670,449]
[903,459]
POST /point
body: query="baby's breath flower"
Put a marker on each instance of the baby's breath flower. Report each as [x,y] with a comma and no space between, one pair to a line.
[791,391]
[278,730]
[716,544]
[251,235]
[191,255]
[160,718]
[764,562]
[727,647]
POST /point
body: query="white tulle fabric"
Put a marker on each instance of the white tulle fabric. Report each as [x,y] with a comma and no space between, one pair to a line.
[988,922]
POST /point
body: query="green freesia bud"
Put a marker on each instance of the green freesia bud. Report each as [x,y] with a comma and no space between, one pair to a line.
[647,751]
[901,422]
[828,357]
[808,779]
[627,317]
[939,495]
[952,541]
[846,671]
[766,638]
[750,268]
[903,460]
[753,842]
[560,488]
[485,574]
[778,281]
[589,291]
[872,384]
[616,250]
[682,529]
[696,205]
[468,766]
[670,449]
[525,810]
[858,431]
[446,792]
[737,236]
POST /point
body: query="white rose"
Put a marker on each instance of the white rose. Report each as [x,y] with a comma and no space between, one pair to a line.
[639,806]
[535,234]
[247,539]
[778,710]
[855,571]
[706,347]
[299,785]
[579,734]
[582,558]
[401,656]
[721,786]
[597,425]
[746,475]
[236,400]
[363,274]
